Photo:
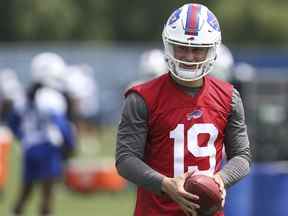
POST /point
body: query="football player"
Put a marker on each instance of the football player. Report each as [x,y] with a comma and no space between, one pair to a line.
[45,131]
[84,91]
[177,124]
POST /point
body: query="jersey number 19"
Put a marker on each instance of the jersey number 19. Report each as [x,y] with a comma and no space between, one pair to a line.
[192,145]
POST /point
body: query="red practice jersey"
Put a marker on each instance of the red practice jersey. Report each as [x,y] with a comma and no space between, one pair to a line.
[185,133]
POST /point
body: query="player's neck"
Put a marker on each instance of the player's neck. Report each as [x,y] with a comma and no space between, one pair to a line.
[193,84]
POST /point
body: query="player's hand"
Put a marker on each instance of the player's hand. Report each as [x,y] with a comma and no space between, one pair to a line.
[217,177]
[174,188]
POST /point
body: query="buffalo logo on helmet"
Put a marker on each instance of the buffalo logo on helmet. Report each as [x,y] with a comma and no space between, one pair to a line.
[212,20]
[174,17]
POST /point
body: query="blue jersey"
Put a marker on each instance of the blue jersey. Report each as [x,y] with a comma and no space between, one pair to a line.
[35,130]
[43,134]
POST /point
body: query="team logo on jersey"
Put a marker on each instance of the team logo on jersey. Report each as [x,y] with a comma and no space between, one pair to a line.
[174,17]
[194,115]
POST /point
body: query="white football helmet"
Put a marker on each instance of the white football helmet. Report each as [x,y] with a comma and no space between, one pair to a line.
[191,29]
[83,88]
[49,69]
[48,100]
[152,63]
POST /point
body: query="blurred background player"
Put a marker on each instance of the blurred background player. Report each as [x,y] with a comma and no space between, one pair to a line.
[99,173]
[152,63]
[224,64]
[50,70]
[83,89]
[44,127]
[226,69]
[11,89]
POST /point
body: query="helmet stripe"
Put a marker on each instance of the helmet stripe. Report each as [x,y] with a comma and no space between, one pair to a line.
[192,20]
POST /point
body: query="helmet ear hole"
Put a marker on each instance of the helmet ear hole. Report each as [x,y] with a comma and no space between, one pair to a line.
[194,26]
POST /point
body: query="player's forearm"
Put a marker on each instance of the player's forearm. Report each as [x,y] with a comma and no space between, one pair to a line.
[136,171]
[234,170]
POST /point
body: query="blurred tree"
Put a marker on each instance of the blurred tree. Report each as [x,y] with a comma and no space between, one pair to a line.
[94,20]
[244,22]
[45,20]
[7,19]
[253,22]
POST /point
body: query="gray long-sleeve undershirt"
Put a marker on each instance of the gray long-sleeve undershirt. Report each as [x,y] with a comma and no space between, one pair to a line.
[131,141]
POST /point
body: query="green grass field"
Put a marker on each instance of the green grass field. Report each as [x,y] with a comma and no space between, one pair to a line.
[70,203]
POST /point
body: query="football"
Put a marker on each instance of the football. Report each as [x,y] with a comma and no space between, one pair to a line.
[207,190]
